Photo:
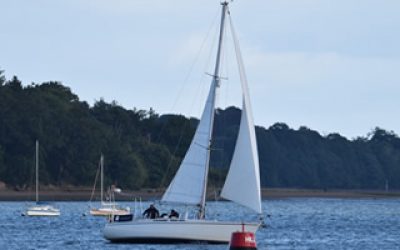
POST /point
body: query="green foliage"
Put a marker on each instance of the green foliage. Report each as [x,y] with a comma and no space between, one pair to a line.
[304,159]
[2,78]
[143,149]
[72,137]
[15,84]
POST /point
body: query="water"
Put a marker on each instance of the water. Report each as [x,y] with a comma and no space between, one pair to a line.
[294,224]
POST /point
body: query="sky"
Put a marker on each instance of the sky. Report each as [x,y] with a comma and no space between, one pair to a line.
[330,65]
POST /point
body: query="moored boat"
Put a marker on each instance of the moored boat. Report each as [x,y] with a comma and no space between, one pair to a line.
[41,208]
[110,207]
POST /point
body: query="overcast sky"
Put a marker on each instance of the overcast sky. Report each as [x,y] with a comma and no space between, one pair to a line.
[333,66]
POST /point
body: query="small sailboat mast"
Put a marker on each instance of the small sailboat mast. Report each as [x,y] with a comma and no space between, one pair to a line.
[37,170]
[101,178]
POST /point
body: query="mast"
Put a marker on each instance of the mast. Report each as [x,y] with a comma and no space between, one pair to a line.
[37,170]
[101,177]
[215,84]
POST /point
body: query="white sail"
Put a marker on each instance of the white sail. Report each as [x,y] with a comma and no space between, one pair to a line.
[242,184]
[188,184]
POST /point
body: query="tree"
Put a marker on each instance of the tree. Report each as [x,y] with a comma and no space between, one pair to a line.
[144,149]
[2,78]
[15,83]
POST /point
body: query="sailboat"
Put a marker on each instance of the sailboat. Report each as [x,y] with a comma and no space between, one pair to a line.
[242,184]
[41,208]
[110,207]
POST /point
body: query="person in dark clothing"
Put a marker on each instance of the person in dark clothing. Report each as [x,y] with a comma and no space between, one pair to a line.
[174,214]
[151,212]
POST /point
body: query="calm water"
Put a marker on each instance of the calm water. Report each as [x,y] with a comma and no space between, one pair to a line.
[293,224]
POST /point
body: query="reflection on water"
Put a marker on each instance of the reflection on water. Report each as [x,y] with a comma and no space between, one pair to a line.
[293,224]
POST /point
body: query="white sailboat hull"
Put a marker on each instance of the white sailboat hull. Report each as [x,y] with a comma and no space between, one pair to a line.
[108,211]
[174,230]
[42,211]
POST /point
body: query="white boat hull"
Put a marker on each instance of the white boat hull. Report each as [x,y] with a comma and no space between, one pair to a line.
[42,211]
[107,212]
[174,230]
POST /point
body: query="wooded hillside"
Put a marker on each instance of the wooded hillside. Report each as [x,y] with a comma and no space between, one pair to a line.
[142,149]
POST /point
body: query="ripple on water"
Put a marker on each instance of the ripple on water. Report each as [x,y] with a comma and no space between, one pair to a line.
[294,224]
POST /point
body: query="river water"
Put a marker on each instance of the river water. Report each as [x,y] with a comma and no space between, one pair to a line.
[301,223]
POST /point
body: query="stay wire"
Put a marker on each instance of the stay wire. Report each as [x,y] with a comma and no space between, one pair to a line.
[186,123]
[223,123]
[186,78]
[95,182]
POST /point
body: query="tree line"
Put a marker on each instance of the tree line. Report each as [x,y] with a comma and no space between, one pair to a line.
[143,149]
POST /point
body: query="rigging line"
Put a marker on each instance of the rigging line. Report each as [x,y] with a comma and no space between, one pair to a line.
[95,181]
[206,65]
[32,175]
[199,90]
[223,102]
[213,154]
[185,81]
[227,65]
[239,59]
[227,89]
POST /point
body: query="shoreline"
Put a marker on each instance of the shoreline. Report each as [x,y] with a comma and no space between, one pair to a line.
[153,194]
[274,193]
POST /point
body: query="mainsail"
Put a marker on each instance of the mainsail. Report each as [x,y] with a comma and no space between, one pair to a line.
[188,184]
[242,184]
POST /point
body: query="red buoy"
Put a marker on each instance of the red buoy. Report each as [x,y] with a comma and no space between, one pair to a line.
[243,241]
